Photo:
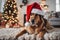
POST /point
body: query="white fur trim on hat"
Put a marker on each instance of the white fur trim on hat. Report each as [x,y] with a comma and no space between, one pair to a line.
[37,11]
[27,24]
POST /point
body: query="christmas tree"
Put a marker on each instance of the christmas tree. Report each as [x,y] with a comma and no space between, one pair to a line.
[10,11]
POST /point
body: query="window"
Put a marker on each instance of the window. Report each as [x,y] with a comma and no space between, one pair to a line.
[2,5]
[57,5]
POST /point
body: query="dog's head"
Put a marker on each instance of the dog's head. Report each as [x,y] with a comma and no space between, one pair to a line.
[35,19]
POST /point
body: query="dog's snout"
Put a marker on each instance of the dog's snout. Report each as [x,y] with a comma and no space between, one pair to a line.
[32,21]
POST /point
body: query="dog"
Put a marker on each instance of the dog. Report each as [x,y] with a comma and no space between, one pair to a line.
[39,26]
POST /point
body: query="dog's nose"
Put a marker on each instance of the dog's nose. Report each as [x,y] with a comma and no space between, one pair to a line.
[32,21]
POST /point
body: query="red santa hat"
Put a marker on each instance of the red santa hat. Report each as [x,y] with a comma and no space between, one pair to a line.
[33,8]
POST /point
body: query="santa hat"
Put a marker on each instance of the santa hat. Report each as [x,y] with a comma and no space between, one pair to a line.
[33,8]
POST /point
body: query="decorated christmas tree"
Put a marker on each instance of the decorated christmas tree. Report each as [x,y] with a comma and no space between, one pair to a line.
[10,11]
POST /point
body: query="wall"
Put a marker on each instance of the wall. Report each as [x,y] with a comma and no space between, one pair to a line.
[59,3]
[0,4]
[52,4]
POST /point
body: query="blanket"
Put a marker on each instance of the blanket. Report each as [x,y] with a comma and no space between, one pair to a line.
[10,33]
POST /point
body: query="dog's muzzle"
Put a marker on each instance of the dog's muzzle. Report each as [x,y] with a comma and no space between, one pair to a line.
[32,21]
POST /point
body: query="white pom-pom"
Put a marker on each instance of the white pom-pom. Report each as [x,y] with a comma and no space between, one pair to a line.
[27,24]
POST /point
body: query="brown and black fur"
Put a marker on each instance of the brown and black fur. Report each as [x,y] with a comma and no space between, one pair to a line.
[39,29]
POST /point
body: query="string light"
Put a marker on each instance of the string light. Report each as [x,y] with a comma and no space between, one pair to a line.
[9,1]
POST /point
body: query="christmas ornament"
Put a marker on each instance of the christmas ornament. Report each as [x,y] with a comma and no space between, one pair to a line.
[7,4]
[15,20]
[9,11]
[6,12]
[12,21]
[7,17]
[14,12]
[11,16]
[8,1]
[11,6]
[6,7]
[5,20]
[14,6]
[2,17]
[16,17]
[12,2]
